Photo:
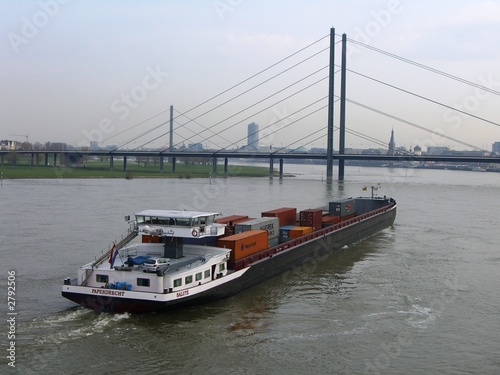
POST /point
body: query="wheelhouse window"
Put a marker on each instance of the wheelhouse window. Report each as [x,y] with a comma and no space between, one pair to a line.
[143,282]
[198,276]
[177,282]
[207,274]
[183,222]
[222,267]
[102,278]
[143,219]
[189,279]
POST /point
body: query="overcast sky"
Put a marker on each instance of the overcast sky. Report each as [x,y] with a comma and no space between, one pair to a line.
[75,71]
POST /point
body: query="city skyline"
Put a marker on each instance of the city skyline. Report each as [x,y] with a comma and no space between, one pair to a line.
[253,144]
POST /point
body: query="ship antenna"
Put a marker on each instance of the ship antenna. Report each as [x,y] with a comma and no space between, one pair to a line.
[373,187]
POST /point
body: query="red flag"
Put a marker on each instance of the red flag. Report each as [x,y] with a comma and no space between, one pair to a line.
[111,254]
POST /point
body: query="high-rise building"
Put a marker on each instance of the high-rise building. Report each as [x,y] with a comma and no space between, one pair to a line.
[496,148]
[253,135]
[392,145]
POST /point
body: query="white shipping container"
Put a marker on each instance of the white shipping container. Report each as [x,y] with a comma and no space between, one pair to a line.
[270,224]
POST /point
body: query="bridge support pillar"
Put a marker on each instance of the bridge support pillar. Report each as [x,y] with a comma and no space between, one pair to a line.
[342,107]
[161,164]
[54,163]
[46,159]
[125,163]
[281,168]
[331,98]
[226,166]
[32,159]
[214,165]
[271,167]
[174,162]
[111,163]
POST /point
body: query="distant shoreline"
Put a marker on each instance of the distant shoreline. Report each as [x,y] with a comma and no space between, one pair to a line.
[182,172]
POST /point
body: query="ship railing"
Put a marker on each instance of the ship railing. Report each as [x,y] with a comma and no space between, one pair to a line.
[117,244]
[249,260]
[88,273]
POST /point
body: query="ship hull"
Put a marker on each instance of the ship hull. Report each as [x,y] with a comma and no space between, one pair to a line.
[141,305]
[316,249]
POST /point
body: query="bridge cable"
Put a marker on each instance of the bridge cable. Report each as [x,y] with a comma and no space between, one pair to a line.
[197,123]
[220,105]
[424,98]
[248,117]
[299,140]
[462,80]
[281,119]
[268,97]
[226,102]
[412,124]
[238,84]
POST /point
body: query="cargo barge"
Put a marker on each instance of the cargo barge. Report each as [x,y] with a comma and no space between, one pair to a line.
[169,258]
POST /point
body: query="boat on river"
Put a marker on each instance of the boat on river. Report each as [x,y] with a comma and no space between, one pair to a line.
[170,258]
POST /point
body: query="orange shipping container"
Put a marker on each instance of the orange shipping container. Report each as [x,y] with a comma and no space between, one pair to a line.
[330,220]
[231,219]
[244,244]
[299,232]
[286,215]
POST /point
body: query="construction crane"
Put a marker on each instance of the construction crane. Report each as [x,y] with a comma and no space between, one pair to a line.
[20,135]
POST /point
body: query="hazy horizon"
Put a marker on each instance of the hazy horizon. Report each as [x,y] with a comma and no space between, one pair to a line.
[77,71]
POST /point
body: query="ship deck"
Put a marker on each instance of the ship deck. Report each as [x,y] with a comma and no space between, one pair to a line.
[193,256]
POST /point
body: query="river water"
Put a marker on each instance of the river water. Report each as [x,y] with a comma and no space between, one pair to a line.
[421,297]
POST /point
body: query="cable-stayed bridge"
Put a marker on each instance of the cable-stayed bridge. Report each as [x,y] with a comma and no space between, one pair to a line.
[278,158]
[303,99]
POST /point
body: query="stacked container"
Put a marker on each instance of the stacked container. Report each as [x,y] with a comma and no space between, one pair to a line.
[231,219]
[244,244]
[311,218]
[345,208]
[299,231]
[230,222]
[286,215]
[269,224]
[284,233]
